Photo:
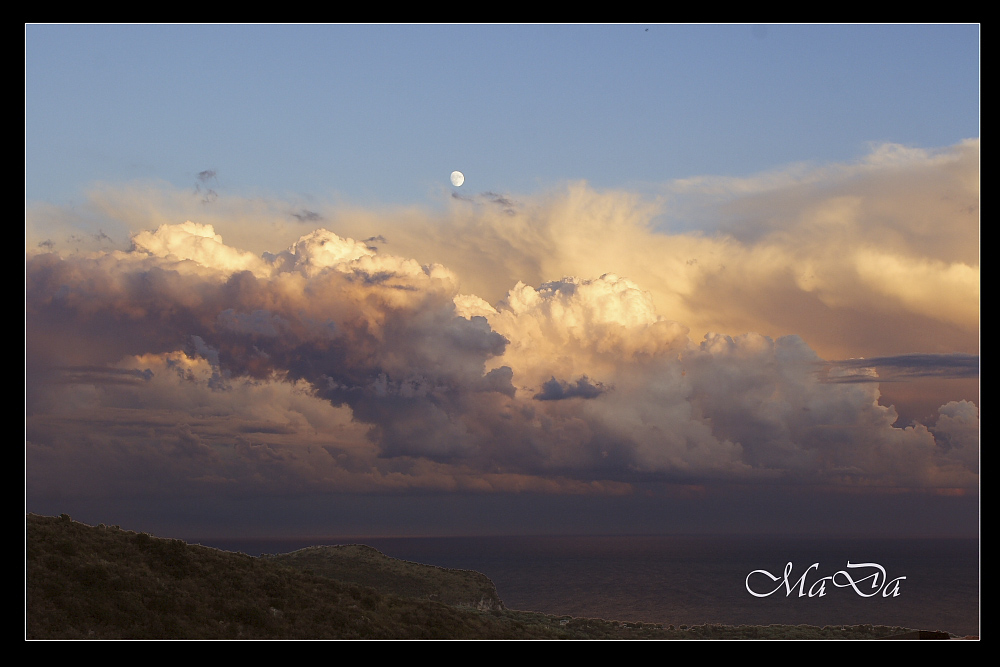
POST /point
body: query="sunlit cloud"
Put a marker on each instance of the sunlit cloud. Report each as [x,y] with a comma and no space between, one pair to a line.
[560,343]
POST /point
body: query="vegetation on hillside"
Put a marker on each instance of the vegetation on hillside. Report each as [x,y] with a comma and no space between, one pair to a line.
[102,582]
[367,566]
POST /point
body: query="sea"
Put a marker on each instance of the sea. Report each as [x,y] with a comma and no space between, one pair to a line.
[918,583]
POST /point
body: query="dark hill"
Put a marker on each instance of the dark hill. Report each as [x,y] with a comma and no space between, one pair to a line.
[366,566]
[102,582]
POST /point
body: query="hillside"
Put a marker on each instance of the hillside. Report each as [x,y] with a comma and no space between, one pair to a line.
[366,566]
[102,582]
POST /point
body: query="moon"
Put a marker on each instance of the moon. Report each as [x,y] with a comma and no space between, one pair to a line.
[457,178]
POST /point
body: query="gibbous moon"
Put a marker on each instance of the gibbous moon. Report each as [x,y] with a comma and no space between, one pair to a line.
[457,178]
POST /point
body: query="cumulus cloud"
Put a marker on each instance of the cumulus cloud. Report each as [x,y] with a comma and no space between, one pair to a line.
[197,243]
[871,258]
[957,433]
[572,327]
[576,345]
[428,387]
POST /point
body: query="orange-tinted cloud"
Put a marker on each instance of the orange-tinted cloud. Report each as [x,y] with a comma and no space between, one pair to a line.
[333,365]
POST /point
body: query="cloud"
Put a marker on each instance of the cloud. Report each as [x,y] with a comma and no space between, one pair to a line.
[577,346]
[506,204]
[556,390]
[197,243]
[503,203]
[838,254]
[208,195]
[305,215]
[98,375]
[908,366]
[957,433]
[573,326]
[438,385]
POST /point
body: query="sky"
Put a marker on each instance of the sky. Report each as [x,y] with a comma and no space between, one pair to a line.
[698,279]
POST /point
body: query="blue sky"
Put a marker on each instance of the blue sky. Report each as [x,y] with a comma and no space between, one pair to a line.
[382,114]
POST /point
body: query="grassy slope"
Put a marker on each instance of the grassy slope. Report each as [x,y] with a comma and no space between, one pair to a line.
[103,583]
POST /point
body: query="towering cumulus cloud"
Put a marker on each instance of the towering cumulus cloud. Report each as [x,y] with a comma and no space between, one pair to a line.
[185,363]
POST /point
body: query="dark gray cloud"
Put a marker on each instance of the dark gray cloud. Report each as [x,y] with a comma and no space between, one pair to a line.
[305,215]
[506,204]
[500,381]
[208,195]
[557,390]
[903,367]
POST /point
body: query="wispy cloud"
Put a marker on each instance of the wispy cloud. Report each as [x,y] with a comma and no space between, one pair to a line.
[903,367]
[208,195]
[305,215]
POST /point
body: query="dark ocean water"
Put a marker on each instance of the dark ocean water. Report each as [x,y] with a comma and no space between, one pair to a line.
[694,580]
